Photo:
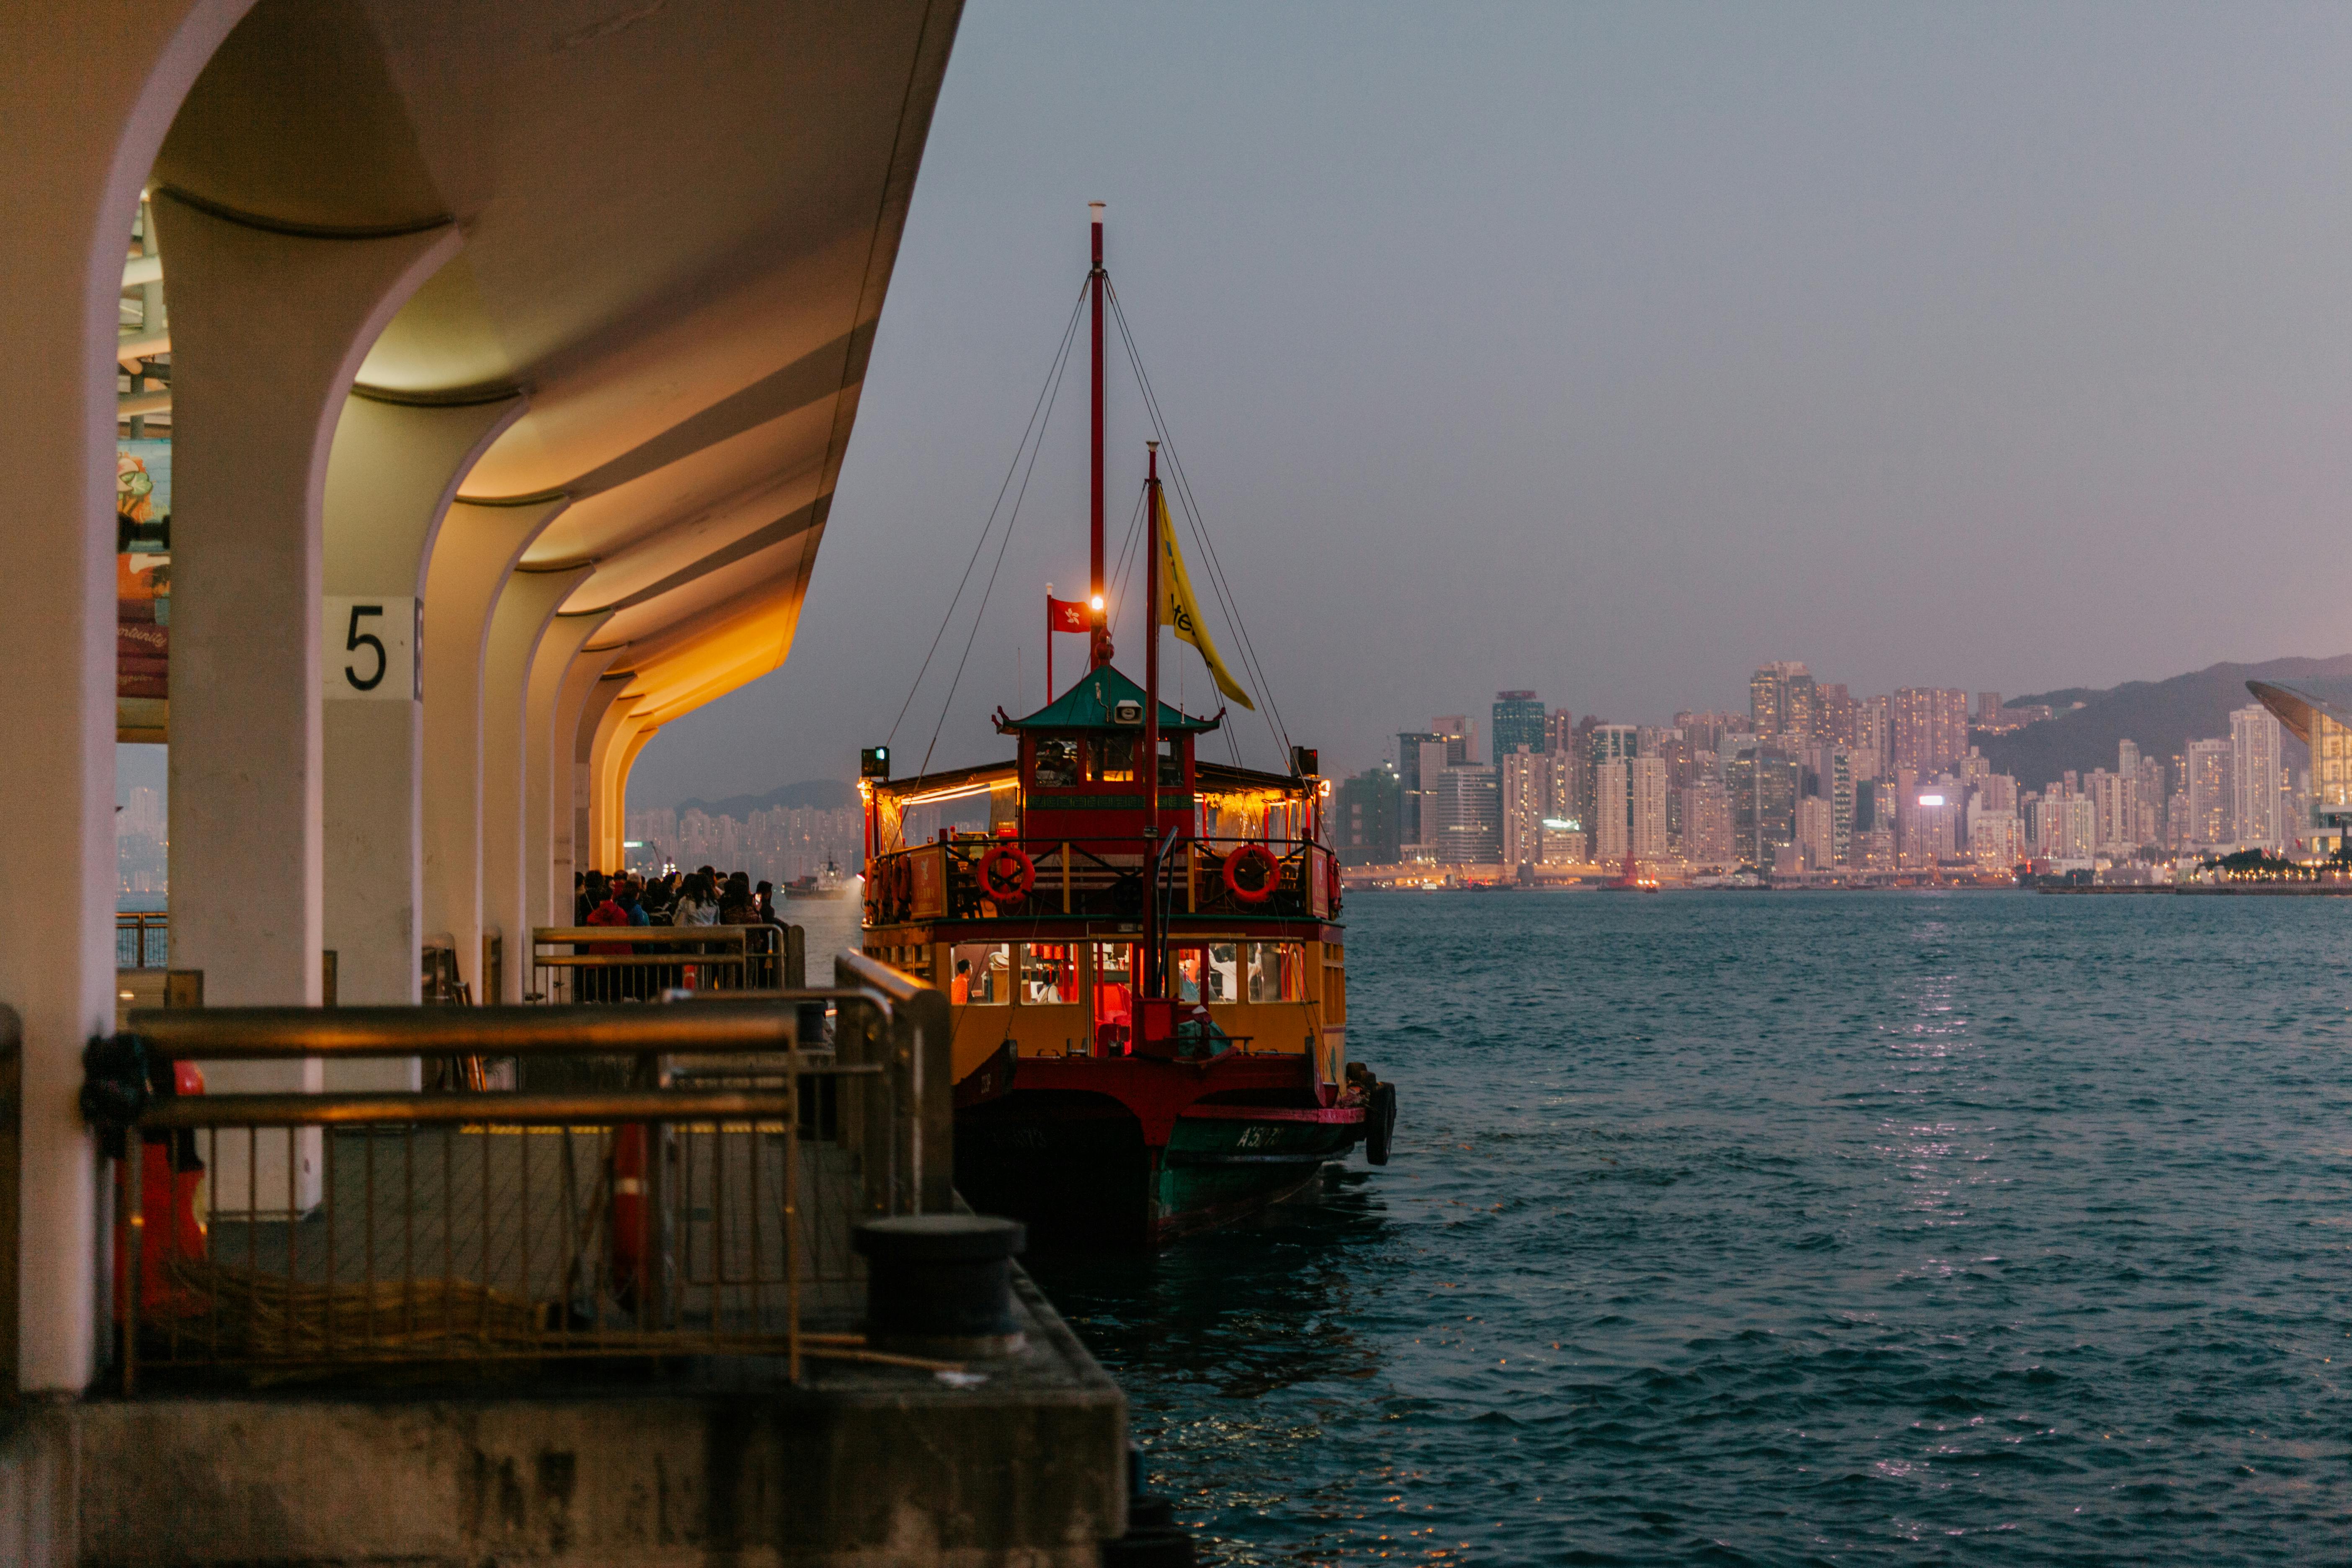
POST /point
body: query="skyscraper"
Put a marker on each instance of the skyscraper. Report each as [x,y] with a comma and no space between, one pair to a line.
[1782,701]
[2211,802]
[1840,790]
[1611,791]
[1519,721]
[1874,739]
[1816,833]
[1365,828]
[1931,729]
[1605,743]
[1455,730]
[1526,804]
[1646,813]
[1707,824]
[1469,815]
[1988,707]
[1411,798]
[1762,781]
[2256,777]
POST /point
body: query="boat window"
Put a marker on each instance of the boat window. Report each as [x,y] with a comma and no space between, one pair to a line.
[1060,761]
[1275,971]
[982,974]
[1225,972]
[1171,766]
[1116,754]
[1187,973]
[1114,997]
[1049,973]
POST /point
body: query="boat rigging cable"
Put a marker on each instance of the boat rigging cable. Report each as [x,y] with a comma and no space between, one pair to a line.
[1183,488]
[1033,432]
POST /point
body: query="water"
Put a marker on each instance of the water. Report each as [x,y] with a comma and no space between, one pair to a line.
[1789,1228]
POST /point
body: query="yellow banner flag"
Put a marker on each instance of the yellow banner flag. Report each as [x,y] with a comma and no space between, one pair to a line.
[1179,609]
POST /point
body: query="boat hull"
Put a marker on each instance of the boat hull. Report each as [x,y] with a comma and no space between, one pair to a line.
[1113,1165]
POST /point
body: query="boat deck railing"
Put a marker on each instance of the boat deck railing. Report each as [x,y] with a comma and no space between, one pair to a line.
[1079,878]
[692,1192]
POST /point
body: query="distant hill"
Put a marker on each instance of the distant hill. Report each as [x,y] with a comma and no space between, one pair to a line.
[2161,716]
[825,794]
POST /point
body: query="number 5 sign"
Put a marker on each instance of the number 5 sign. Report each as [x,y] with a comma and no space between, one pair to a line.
[370,648]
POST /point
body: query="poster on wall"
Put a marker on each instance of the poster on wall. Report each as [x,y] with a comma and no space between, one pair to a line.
[142,592]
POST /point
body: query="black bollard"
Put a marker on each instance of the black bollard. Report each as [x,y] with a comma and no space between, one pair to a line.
[941,1284]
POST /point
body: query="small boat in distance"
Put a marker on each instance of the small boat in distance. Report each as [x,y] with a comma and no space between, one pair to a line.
[828,884]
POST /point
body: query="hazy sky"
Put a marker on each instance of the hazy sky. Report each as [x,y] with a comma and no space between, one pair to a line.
[1609,351]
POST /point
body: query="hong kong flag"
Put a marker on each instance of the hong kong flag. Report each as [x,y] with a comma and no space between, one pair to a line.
[1066,614]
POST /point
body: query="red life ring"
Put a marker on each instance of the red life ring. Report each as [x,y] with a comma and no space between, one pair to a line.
[1006,874]
[1264,873]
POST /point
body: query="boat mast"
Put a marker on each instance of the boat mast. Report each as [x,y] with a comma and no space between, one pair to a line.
[1095,601]
[1151,770]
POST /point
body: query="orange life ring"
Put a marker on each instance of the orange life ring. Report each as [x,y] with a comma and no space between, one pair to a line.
[1264,873]
[1006,874]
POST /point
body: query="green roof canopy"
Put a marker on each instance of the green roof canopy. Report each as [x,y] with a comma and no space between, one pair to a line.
[1088,706]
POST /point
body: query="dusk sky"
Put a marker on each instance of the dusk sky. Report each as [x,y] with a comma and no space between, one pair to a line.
[1608,350]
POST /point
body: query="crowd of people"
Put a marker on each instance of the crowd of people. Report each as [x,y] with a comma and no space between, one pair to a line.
[699,897]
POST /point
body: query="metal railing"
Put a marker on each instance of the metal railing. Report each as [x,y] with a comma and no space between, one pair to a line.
[640,964]
[705,1209]
[141,940]
[1080,878]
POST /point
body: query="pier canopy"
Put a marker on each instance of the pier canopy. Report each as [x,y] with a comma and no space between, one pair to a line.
[425,404]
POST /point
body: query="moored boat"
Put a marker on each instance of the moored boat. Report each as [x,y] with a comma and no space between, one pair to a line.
[1142,948]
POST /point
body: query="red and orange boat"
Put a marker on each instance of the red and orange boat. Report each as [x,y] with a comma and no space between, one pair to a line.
[1142,947]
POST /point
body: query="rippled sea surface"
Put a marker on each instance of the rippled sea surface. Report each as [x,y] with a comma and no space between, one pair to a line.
[1786,1228]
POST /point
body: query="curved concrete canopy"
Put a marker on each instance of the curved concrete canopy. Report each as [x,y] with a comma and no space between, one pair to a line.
[679,223]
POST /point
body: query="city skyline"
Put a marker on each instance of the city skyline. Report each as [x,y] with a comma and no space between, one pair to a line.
[1814,779]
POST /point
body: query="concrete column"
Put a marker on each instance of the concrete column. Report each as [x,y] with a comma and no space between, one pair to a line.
[268,332]
[559,677]
[609,725]
[91,91]
[472,556]
[390,477]
[517,625]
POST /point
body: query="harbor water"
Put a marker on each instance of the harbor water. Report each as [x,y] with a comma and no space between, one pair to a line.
[1789,1228]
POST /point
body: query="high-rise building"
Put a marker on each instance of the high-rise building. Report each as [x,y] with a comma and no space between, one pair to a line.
[1931,729]
[1761,779]
[1816,834]
[1707,824]
[2257,777]
[1559,731]
[1413,799]
[1365,826]
[1840,792]
[1839,713]
[1528,803]
[1931,824]
[1648,787]
[1605,743]
[1874,739]
[1455,729]
[1611,797]
[1782,701]
[1519,721]
[1988,708]
[1996,838]
[2213,804]
[1469,815]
